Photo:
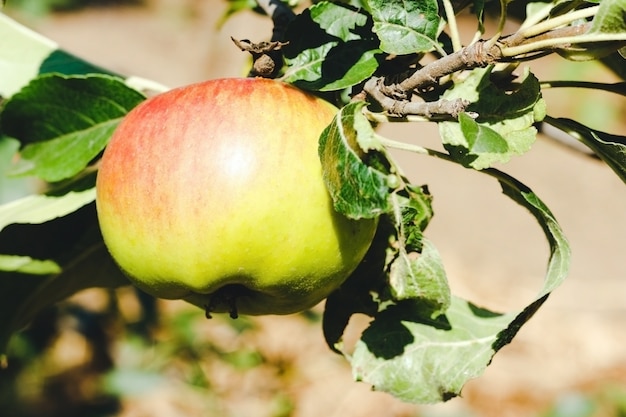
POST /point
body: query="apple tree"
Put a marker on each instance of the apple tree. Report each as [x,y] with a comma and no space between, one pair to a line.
[377,62]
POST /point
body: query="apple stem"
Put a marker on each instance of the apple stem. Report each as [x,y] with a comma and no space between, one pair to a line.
[264,54]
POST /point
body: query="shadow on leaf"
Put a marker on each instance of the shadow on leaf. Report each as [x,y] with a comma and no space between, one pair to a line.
[461,154]
[387,336]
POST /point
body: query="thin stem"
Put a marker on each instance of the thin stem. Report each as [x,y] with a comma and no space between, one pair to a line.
[394,144]
[537,17]
[617,88]
[477,35]
[419,149]
[511,51]
[558,21]
[452,24]
[503,177]
[501,23]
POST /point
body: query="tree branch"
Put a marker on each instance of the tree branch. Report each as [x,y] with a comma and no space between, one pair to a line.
[401,108]
[394,92]
[428,76]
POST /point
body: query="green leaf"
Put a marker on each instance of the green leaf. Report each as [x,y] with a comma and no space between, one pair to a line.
[21,55]
[610,148]
[53,105]
[59,202]
[62,62]
[413,263]
[416,211]
[606,35]
[560,254]
[128,382]
[65,121]
[331,47]
[66,155]
[481,138]
[610,18]
[401,264]
[504,124]
[422,276]
[405,27]
[44,252]
[421,357]
[356,170]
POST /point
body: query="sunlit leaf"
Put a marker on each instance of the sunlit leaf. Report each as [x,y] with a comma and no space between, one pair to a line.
[421,276]
[405,27]
[413,348]
[606,35]
[504,126]
[21,53]
[129,382]
[24,54]
[66,155]
[418,356]
[40,208]
[356,171]
[415,268]
[65,121]
[420,359]
[610,18]
[28,265]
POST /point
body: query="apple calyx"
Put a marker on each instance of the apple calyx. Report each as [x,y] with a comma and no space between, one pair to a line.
[226,296]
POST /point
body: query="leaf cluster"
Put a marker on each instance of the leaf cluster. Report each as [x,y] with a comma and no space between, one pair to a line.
[423,343]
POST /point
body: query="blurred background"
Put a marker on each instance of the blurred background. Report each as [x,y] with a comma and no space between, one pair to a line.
[119,353]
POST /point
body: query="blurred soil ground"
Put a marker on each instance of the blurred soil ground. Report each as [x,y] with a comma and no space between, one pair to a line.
[495,256]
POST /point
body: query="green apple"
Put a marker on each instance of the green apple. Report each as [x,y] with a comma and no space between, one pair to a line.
[213,193]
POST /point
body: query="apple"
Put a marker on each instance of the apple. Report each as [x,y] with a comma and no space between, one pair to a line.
[213,193]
